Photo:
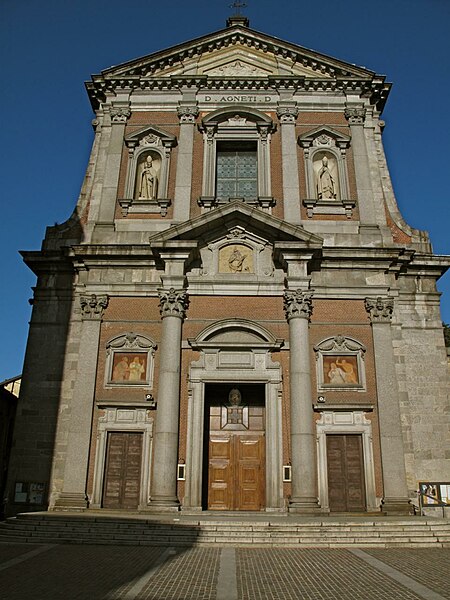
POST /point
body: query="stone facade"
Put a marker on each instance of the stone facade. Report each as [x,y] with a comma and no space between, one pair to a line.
[236,229]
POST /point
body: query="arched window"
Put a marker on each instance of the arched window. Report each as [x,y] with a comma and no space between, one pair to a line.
[236,157]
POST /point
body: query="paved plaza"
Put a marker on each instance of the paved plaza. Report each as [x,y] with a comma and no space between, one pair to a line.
[85,572]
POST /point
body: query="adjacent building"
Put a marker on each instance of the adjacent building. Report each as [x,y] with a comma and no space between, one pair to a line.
[235,317]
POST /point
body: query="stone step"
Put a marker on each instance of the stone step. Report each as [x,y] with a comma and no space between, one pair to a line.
[75,529]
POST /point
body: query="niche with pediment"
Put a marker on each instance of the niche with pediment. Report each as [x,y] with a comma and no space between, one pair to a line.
[238,255]
[149,153]
[327,185]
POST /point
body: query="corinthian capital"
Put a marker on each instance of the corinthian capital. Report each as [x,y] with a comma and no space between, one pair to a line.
[187,114]
[298,304]
[92,307]
[287,114]
[379,309]
[173,303]
[355,116]
[120,114]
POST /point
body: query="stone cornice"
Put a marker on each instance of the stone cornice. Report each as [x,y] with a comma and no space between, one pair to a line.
[375,88]
[148,72]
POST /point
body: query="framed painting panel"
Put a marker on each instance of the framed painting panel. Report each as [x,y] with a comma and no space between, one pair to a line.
[340,364]
[130,361]
[340,370]
[129,367]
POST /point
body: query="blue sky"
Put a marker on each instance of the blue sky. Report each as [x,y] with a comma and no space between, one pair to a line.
[48,48]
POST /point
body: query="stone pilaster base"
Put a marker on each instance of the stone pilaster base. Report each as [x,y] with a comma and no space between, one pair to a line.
[304,506]
[396,506]
[163,505]
[71,501]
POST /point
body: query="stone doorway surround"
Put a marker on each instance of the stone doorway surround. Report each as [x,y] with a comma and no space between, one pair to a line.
[347,422]
[234,351]
[125,418]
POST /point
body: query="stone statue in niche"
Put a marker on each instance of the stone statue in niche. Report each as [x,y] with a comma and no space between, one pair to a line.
[148,179]
[325,181]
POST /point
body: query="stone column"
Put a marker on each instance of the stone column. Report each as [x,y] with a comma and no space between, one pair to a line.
[105,223]
[73,495]
[355,117]
[173,304]
[395,499]
[187,112]
[287,113]
[298,308]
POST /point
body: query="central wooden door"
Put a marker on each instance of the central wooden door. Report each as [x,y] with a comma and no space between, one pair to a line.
[346,489]
[122,480]
[236,458]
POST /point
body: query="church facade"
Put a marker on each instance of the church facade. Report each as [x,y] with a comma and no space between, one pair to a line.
[236,317]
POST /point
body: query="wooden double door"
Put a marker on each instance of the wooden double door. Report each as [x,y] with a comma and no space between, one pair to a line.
[236,458]
[122,479]
[346,481]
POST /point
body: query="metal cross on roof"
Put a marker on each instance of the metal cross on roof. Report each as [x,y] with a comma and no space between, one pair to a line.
[238,5]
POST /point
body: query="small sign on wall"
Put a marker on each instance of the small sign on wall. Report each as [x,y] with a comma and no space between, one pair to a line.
[181,476]
[29,493]
[287,473]
[434,493]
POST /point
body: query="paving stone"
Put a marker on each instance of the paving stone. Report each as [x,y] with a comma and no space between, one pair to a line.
[101,572]
[291,574]
[430,567]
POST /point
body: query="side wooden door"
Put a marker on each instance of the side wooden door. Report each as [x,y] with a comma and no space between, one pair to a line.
[122,479]
[346,489]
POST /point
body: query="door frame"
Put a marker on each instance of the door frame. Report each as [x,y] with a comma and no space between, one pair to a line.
[344,464]
[124,454]
[248,360]
[346,423]
[127,420]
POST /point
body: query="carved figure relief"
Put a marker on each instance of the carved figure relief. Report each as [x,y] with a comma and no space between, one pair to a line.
[237,68]
[148,178]
[326,176]
[236,258]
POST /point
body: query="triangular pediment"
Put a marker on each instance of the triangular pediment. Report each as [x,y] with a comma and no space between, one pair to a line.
[324,136]
[149,136]
[237,51]
[241,61]
[222,221]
